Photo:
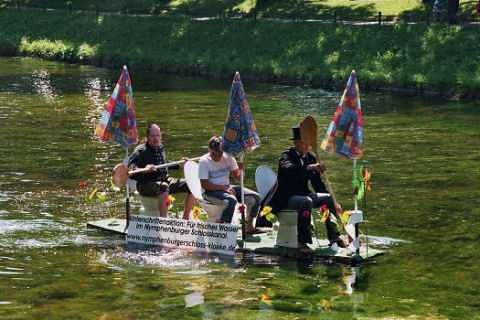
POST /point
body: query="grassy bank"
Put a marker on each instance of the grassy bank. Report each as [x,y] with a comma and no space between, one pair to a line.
[413,57]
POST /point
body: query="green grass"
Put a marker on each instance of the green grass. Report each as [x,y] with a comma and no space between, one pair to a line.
[406,10]
[439,58]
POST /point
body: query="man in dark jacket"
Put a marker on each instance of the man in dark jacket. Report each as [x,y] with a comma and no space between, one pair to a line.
[157,183]
[296,167]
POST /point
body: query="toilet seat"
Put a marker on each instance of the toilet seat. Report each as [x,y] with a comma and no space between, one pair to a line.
[265,179]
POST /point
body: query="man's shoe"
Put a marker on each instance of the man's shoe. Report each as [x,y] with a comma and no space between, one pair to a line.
[339,242]
[303,249]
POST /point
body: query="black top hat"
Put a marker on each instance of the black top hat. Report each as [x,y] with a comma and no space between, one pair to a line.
[296,133]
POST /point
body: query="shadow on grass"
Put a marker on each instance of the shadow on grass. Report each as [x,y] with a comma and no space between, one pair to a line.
[279,9]
[307,10]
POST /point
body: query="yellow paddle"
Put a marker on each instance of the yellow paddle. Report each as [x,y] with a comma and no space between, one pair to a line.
[309,134]
[121,172]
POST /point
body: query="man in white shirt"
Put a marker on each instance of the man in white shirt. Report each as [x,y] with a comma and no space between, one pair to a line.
[214,170]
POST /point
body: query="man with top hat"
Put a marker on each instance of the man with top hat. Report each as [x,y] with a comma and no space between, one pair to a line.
[296,167]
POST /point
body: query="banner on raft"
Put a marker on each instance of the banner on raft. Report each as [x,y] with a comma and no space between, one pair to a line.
[183,234]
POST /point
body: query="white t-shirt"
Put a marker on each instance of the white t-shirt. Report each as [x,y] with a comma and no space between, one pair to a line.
[216,172]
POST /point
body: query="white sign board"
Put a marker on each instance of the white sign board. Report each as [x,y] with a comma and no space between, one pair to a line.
[183,234]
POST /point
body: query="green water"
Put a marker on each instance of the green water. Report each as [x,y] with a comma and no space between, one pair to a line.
[424,207]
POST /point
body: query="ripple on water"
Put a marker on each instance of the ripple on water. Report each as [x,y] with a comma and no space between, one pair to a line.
[4,197]
[52,233]
[179,261]
[14,225]
[7,258]
[193,272]
[384,241]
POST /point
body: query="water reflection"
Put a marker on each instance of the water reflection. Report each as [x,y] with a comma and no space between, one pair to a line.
[96,89]
[312,287]
[42,85]
[196,297]
[183,262]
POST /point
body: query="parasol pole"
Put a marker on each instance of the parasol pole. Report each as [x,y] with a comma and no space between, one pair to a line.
[242,201]
[356,203]
[355,178]
[366,219]
[127,199]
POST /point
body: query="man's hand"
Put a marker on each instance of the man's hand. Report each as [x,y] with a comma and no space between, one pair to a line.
[339,209]
[241,166]
[230,190]
[151,168]
[184,159]
[317,166]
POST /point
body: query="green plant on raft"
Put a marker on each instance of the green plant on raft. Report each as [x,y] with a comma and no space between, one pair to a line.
[96,197]
[267,213]
[199,214]
[361,182]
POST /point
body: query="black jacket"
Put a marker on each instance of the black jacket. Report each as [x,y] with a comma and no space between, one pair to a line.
[144,155]
[293,178]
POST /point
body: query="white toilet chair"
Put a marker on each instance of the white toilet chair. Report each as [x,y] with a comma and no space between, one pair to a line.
[149,204]
[190,171]
[265,178]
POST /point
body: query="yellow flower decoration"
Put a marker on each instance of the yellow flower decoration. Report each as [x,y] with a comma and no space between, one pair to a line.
[265,299]
[346,216]
[325,216]
[326,304]
[366,176]
[93,193]
[169,202]
[196,212]
[266,210]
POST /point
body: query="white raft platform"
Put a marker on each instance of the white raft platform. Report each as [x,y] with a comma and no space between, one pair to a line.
[265,244]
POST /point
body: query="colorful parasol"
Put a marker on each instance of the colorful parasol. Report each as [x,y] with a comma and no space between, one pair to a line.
[240,134]
[344,139]
[118,122]
[344,135]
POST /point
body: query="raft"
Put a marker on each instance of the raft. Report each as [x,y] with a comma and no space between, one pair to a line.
[264,244]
